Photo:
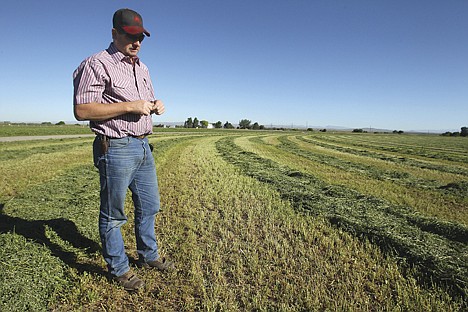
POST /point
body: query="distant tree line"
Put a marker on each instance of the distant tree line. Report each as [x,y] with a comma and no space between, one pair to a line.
[195,123]
[463,133]
[364,131]
[243,124]
[247,124]
[48,123]
[189,123]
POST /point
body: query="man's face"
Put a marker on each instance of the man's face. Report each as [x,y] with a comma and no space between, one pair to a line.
[129,45]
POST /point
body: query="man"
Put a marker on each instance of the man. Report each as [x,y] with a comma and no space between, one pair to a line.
[113,90]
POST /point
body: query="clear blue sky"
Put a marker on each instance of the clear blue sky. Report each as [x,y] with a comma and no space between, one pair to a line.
[383,64]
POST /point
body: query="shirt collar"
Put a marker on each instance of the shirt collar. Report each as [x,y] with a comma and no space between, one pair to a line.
[118,56]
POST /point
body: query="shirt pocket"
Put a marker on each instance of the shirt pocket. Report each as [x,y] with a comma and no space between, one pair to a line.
[122,90]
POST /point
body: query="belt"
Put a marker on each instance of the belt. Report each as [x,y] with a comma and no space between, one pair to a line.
[105,137]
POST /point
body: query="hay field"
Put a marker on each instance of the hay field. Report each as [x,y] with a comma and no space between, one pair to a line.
[265,221]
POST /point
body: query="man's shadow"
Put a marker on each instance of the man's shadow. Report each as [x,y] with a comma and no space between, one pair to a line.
[35,230]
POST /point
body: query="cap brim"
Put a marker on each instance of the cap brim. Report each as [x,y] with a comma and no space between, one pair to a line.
[135,30]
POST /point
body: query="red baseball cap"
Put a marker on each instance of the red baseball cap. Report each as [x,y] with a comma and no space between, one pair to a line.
[129,21]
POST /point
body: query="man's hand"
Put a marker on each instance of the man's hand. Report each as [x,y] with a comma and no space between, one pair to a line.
[158,107]
[142,107]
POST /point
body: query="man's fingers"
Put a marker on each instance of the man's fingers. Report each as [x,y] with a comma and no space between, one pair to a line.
[146,108]
[160,110]
[158,107]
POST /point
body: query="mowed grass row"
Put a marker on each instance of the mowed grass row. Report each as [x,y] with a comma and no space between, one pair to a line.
[439,194]
[238,245]
[48,226]
[437,249]
[455,145]
[374,168]
[353,147]
[425,147]
[420,176]
[26,163]
[258,253]
[362,175]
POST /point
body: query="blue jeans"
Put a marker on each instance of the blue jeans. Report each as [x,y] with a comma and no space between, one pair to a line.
[128,164]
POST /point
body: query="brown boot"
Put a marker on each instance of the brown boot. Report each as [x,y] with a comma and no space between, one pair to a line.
[129,281]
[161,264]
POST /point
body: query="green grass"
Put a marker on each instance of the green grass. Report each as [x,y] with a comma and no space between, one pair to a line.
[446,204]
[238,225]
[30,275]
[439,250]
[23,149]
[424,146]
[34,130]
[390,155]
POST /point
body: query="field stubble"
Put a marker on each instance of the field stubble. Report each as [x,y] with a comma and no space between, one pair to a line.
[438,248]
[238,244]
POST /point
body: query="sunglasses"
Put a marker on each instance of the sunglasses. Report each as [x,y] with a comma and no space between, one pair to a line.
[132,38]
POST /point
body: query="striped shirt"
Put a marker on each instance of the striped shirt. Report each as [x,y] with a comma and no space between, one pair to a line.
[111,77]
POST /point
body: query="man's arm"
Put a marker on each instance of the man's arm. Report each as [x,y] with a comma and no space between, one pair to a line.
[98,111]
